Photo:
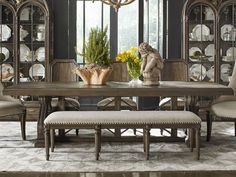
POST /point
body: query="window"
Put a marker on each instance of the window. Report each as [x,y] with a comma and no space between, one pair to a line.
[123,26]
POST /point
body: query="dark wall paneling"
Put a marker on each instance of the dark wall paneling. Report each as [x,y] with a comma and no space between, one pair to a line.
[60,29]
[174,28]
[64,46]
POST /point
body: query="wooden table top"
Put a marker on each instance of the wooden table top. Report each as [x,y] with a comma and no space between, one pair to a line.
[166,88]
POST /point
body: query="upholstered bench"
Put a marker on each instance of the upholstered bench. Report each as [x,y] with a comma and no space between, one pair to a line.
[122,119]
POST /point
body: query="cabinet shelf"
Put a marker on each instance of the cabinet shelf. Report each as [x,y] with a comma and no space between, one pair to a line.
[213,17]
[27,22]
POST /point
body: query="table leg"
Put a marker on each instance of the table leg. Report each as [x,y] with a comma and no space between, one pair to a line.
[45,106]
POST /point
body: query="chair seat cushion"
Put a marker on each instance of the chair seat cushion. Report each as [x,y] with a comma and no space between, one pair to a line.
[109,102]
[181,102]
[69,103]
[225,109]
[10,108]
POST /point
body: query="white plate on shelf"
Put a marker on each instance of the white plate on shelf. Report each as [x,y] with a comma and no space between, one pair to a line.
[37,70]
[210,51]
[5,32]
[225,72]
[226,28]
[191,52]
[40,54]
[231,54]
[25,14]
[197,72]
[201,32]
[209,14]
[24,53]
[40,29]
[6,72]
[5,52]
[210,74]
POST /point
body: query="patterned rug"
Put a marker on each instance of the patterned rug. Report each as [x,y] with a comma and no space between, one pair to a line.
[17,156]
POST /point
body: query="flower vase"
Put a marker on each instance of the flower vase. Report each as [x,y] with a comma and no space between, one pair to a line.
[134,72]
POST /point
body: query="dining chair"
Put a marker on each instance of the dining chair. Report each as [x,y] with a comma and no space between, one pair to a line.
[178,68]
[224,107]
[119,74]
[12,110]
[62,71]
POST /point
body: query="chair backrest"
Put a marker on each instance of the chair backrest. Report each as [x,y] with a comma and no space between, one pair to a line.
[174,70]
[62,70]
[119,73]
[232,81]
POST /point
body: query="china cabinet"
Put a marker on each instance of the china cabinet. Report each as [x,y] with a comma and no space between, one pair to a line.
[209,39]
[25,48]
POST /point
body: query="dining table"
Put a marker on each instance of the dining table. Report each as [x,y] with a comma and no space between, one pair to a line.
[46,90]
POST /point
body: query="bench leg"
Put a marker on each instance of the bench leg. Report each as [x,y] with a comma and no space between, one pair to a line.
[52,139]
[197,143]
[144,143]
[47,132]
[147,142]
[97,141]
[191,138]
[22,123]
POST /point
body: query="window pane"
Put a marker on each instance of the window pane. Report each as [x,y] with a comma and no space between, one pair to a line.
[128,26]
[153,21]
[93,18]
[79,30]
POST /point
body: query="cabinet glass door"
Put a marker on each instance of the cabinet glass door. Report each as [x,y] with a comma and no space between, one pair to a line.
[6,45]
[227,35]
[201,43]
[32,35]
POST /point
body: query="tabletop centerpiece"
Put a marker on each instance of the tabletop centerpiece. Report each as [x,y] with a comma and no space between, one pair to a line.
[96,53]
[133,64]
[152,64]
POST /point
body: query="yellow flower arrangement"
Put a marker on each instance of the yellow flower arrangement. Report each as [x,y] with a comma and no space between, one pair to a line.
[133,61]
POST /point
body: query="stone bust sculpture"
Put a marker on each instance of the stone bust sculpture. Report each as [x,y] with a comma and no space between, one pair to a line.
[152,64]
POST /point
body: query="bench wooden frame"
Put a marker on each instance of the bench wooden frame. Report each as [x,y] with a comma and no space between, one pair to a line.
[194,129]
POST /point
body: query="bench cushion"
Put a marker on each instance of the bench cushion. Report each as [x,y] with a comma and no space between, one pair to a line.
[121,117]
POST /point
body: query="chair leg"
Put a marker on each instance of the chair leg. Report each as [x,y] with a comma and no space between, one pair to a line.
[209,125]
[77,132]
[135,131]
[22,123]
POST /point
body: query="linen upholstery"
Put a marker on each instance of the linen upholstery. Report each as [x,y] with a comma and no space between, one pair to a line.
[8,108]
[223,106]
[124,117]
[70,103]
[225,109]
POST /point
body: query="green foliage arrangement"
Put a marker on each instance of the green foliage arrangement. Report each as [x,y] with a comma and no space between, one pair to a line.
[97,48]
